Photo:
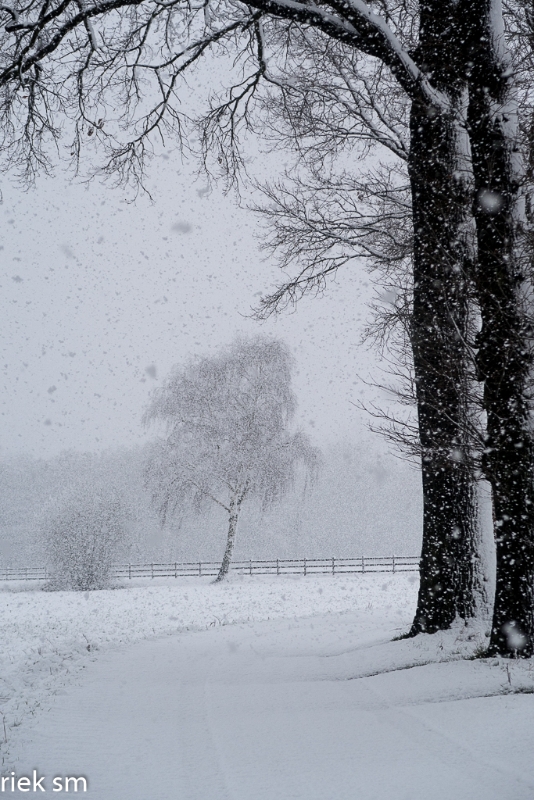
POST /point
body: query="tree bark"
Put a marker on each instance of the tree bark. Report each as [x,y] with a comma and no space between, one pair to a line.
[233,516]
[504,356]
[444,239]
[230,541]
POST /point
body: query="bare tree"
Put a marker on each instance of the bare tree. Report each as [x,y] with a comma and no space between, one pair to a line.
[421,238]
[488,90]
[229,439]
[505,293]
[321,223]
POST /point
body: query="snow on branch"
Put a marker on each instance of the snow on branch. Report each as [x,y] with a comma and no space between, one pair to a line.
[125,63]
[356,24]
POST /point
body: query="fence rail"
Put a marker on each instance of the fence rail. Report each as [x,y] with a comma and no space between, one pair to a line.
[277,566]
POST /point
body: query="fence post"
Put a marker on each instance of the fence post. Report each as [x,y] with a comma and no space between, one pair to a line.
[129,572]
[363,564]
[175,570]
[277,566]
[393,564]
[152,570]
[305,566]
[250,567]
[333,566]
[200,568]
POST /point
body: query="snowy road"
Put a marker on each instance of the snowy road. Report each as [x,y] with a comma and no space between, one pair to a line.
[282,709]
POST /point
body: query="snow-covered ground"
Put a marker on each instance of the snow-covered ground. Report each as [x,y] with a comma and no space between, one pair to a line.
[47,636]
[271,689]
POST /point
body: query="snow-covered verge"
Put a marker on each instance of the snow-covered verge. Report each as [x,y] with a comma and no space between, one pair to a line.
[47,636]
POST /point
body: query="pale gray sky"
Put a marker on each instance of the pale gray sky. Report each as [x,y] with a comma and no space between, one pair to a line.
[97,289]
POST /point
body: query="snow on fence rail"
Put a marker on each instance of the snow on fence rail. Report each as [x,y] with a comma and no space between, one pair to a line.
[277,566]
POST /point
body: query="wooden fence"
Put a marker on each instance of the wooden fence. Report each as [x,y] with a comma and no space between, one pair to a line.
[277,566]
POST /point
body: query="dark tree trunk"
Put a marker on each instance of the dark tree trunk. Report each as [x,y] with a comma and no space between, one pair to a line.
[439,333]
[504,360]
[443,263]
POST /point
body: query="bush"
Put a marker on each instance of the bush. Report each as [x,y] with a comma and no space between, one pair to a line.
[82,535]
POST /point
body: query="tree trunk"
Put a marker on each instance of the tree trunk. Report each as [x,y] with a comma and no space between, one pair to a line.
[230,541]
[233,516]
[504,357]
[444,241]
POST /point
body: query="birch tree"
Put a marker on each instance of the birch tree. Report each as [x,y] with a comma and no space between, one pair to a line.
[229,439]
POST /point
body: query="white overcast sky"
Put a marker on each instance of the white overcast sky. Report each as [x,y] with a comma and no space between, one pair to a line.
[96,289]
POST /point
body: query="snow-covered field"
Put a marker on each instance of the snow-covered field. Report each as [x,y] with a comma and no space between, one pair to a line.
[46,636]
[271,688]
